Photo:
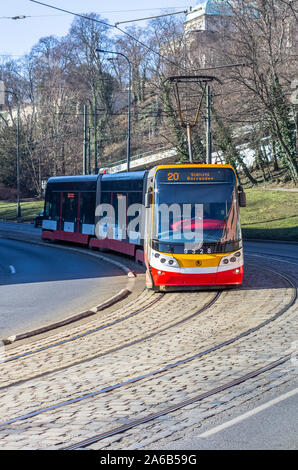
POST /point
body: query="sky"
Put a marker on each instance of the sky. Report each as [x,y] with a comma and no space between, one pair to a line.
[18,36]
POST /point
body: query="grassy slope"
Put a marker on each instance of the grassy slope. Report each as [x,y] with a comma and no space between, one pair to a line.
[269,214]
[8,210]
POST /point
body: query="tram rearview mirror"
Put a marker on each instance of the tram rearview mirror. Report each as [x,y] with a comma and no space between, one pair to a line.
[242,197]
[148,199]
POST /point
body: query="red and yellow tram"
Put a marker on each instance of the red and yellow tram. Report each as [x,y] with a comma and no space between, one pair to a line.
[181,220]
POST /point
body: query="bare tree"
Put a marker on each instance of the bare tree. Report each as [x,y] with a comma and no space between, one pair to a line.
[262,38]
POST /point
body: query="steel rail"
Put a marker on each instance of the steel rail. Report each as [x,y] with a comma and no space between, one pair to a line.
[169,366]
[132,343]
[176,407]
[86,333]
[151,417]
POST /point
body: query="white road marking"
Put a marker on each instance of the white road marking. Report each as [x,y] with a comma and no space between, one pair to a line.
[12,269]
[248,414]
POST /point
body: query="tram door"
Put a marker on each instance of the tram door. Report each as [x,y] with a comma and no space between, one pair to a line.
[69,214]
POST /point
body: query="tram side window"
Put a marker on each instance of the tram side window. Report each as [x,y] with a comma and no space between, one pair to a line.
[69,210]
[52,206]
[135,200]
[105,198]
[118,203]
[47,207]
[87,208]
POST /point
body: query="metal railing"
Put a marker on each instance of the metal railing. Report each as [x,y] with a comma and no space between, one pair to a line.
[136,157]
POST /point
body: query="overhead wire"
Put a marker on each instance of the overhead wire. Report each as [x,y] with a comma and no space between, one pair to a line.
[103,12]
[110,26]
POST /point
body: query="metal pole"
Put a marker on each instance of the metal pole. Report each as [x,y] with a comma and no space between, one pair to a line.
[18,161]
[128,117]
[95,134]
[188,129]
[89,151]
[85,142]
[208,128]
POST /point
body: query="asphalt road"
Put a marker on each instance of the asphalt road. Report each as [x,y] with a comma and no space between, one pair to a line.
[270,424]
[40,285]
[286,250]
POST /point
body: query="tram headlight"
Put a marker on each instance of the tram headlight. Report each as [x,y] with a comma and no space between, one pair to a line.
[173,263]
[232,258]
[163,259]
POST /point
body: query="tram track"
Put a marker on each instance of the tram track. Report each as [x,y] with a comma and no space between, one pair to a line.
[177,406]
[119,430]
[202,309]
[86,333]
[169,366]
[92,330]
[114,322]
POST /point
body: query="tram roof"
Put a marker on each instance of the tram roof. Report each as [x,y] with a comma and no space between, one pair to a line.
[127,176]
[73,179]
[124,176]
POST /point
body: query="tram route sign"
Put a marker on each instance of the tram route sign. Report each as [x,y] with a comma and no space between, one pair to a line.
[196,175]
[2,92]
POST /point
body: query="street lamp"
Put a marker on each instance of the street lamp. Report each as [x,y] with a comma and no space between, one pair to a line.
[18,147]
[128,104]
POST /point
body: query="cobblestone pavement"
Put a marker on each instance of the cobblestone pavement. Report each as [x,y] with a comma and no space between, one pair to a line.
[169,430]
[101,342]
[89,366]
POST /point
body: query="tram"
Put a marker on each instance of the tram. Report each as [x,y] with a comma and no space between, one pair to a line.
[181,220]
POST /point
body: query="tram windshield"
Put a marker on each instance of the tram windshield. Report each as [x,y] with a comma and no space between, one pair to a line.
[197,210]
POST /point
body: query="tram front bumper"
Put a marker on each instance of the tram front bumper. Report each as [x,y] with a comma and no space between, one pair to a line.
[217,277]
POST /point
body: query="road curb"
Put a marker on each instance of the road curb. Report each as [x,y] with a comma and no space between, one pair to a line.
[121,295]
[80,316]
[261,240]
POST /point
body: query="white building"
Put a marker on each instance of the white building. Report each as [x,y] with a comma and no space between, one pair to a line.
[208,15]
